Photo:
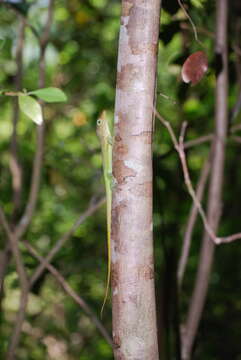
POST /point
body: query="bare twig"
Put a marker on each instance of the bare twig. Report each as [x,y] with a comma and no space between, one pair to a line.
[15,250]
[237,51]
[32,200]
[235,128]
[190,19]
[209,137]
[24,285]
[180,150]
[191,222]
[200,30]
[38,160]
[30,26]
[190,144]
[14,164]
[91,209]
[179,146]
[59,278]
[44,39]
[215,187]
[24,19]
[236,108]
[77,298]
[203,139]
[237,139]
[191,190]
[198,141]
[4,259]
[45,264]
[15,337]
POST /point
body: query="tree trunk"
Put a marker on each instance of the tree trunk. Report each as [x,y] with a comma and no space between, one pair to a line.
[134,309]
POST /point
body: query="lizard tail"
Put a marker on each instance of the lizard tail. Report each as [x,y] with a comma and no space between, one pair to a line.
[108,267]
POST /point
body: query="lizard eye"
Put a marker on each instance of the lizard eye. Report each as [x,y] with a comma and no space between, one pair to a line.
[99,122]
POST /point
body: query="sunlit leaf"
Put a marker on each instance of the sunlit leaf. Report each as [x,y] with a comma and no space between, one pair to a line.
[31,108]
[50,94]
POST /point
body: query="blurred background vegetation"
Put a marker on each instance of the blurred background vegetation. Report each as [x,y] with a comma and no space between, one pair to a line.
[81,60]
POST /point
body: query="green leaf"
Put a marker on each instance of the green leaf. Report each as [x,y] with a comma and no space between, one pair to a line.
[31,108]
[50,94]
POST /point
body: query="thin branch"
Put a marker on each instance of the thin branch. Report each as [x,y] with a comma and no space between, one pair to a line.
[190,144]
[45,264]
[77,298]
[38,159]
[32,200]
[27,23]
[180,150]
[198,141]
[191,22]
[14,164]
[191,222]
[237,139]
[4,261]
[179,146]
[44,39]
[200,29]
[235,128]
[237,51]
[228,239]
[35,184]
[15,336]
[191,190]
[209,137]
[15,250]
[214,206]
[23,18]
[59,244]
[203,139]
[236,108]
[24,285]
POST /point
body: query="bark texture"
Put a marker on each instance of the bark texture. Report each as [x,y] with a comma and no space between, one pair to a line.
[216,182]
[134,310]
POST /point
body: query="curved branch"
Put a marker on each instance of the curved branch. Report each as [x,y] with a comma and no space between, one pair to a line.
[191,222]
[215,187]
[24,285]
[67,288]
[38,159]
[14,163]
[91,209]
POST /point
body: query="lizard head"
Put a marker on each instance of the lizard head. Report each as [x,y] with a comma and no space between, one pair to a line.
[102,128]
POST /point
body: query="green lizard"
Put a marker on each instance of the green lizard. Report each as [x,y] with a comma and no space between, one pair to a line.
[104,134]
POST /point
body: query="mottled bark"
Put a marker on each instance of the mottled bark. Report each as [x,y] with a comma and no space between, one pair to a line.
[134,309]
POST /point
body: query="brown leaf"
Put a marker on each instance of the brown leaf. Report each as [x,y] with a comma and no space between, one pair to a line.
[194,67]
